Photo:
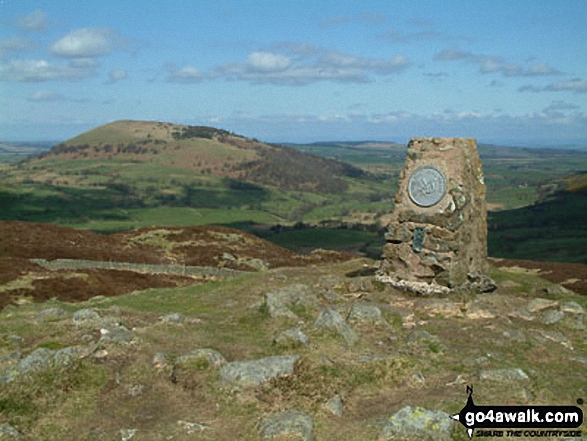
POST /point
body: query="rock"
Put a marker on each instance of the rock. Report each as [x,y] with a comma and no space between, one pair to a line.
[521,314]
[202,358]
[503,375]
[417,424]
[191,428]
[67,356]
[10,359]
[84,316]
[539,304]
[175,317]
[116,334]
[255,264]
[515,335]
[127,434]
[290,422]
[334,405]
[291,338]
[572,308]
[8,432]
[366,314]
[557,337]
[51,314]
[333,321]
[251,373]
[476,310]
[551,317]
[420,335]
[160,361]
[442,307]
[39,359]
[278,300]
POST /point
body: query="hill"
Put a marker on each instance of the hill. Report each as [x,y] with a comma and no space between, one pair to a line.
[129,174]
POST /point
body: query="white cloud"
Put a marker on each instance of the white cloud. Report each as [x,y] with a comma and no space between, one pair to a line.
[87,43]
[301,64]
[492,64]
[116,75]
[366,18]
[42,70]
[186,74]
[35,21]
[268,62]
[44,96]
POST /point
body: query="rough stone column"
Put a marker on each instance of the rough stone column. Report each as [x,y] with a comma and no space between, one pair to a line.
[437,236]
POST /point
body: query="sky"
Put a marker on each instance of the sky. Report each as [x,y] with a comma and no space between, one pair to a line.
[512,72]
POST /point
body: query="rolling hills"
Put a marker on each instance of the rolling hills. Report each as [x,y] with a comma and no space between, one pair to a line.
[129,174]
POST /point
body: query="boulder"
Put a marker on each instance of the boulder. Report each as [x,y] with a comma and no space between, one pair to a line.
[202,357]
[291,338]
[290,422]
[333,321]
[418,425]
[252,373]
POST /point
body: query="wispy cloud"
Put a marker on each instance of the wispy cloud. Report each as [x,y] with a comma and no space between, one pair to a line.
[114,76]
[301,64]
[576,85]
[44,96]
[185,75]
[42,70]
[15,44]
[88,43]
[492,64]
[35,21]
[368,18]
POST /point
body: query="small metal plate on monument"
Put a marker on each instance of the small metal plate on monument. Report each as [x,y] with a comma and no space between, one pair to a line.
[426,186]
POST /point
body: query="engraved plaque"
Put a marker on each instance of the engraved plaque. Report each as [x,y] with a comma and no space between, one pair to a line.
[426,186]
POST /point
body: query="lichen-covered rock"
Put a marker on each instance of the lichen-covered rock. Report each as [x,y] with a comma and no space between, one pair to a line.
[366,314]
[334,322]
[51,314]
[251,373]
[291,338]
[552,316]
[175,317]
[540,304]
[290,422]
[417,425]
[504,375]
[8,432]
[116,334]
[160,361]
[85,316]
[203,358]
[334,405]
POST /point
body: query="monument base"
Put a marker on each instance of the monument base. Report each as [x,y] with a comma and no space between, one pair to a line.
[437,235]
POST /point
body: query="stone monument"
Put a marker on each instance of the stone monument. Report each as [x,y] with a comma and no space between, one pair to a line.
[436,240]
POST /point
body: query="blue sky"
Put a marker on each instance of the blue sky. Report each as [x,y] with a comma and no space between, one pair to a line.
[500,71]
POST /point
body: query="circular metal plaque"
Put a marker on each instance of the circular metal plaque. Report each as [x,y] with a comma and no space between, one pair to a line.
[426,186]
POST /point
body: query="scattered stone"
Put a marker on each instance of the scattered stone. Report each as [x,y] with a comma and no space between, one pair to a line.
[539,304]
[417,424]
[255,264]
[7,432]
[457,381]
[15,339]
[51,314]
[476,310]
[229,257]
[160,361]
[582,360]
[100,354]
[552,316]
[366,314]
[334,405]
[442,307]
[127,434]
[360,284]
[291,338]
[333,321]
[515,335]
[557,337]
[290,422]
[329,296]
[203,357]
[419,378]
[572,308]
[175,317]
[67,356]
[420,335]
[191,428]
[116,334]
[37,360]
[251,373]
[521,314]
[85,316]
[503,375]
[10,359]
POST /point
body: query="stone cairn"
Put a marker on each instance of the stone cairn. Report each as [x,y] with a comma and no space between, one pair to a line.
[436,240]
